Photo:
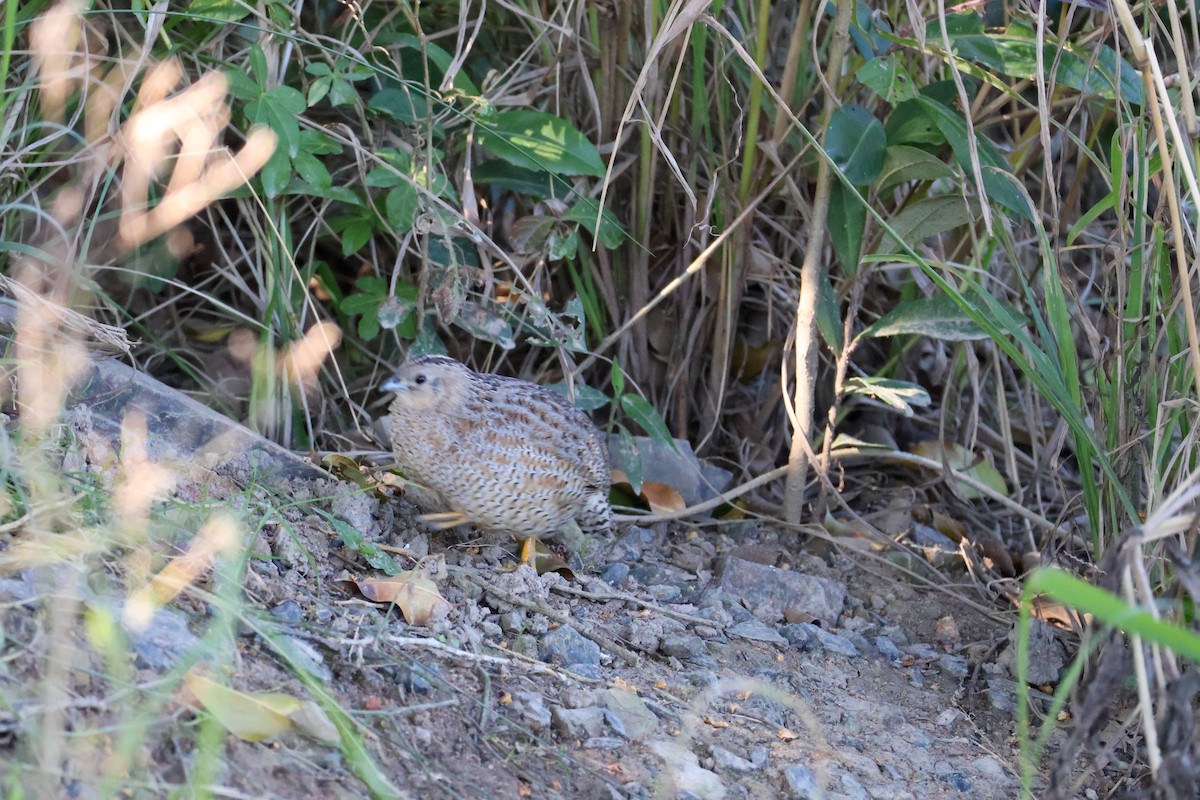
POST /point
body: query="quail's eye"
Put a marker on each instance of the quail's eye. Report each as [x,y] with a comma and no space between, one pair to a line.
[420,379]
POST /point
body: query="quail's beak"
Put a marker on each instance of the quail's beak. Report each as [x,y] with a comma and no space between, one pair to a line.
[393,384]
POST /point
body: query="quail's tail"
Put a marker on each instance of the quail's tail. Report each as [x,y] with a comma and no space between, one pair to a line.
[596,517]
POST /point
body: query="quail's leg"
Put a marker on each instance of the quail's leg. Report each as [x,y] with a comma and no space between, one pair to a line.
[529,552]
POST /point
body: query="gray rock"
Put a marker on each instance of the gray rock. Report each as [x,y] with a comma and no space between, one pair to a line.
[1047,657]
[684,770]
[603,743]
[615,574]
[568,647]
[163,642]
[887,648]
[530,708]
[955,666]
[678,467]
[853,788]
[757,632]
[634,717]
[725,761]
[830,641]
[774,594]
[921,651]
[664,592]
[802,783]
[798,636]
[578,723]
[288,611]
[685,647]
[512,622]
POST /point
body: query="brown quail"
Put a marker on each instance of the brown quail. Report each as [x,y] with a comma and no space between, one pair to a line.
[500,453]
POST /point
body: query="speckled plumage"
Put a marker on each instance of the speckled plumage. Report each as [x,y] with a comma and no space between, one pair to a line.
[507,454]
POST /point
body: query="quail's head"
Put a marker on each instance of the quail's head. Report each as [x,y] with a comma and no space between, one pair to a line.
[428,383]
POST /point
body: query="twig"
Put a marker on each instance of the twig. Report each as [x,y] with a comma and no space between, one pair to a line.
[628,598]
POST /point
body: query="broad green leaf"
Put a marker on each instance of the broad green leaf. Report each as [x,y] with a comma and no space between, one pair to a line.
[888,78]
[223,10]
[997,177]
[903,163]
[856,142]
[1013,53]
[937,317]
[847,221]
[612,233]
[536,183]
[355,541]
[924,218]
[405,105]
[909,124]
[539,141]
[400,208]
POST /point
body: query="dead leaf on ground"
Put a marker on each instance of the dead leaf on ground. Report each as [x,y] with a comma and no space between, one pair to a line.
[413,592]
[250,716]
[660,497]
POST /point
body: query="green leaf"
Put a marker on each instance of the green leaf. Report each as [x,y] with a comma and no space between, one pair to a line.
[829,315]
[909,124]
[900,395]
[220,10]
[310,168]
[355,541]
[400,208]
[616,377]
[888,78]
[276,173]
[1112,610]
[937,317]
[1013,53]
[536,183]
[586,397]
[903,163]
[612,233]
[645,415]
[856,142]
[998,179]
[539,141]
[403,105]
[847,221]
[629,458]
[925,218]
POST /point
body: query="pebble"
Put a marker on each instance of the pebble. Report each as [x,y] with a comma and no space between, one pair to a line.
[888,649]
[830,641]
[163,642]
[685,647]
[615,574]
[578,723]
[955,666]
[802,782]
[635,718]
[726,761]
[569,648]
[531,709]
